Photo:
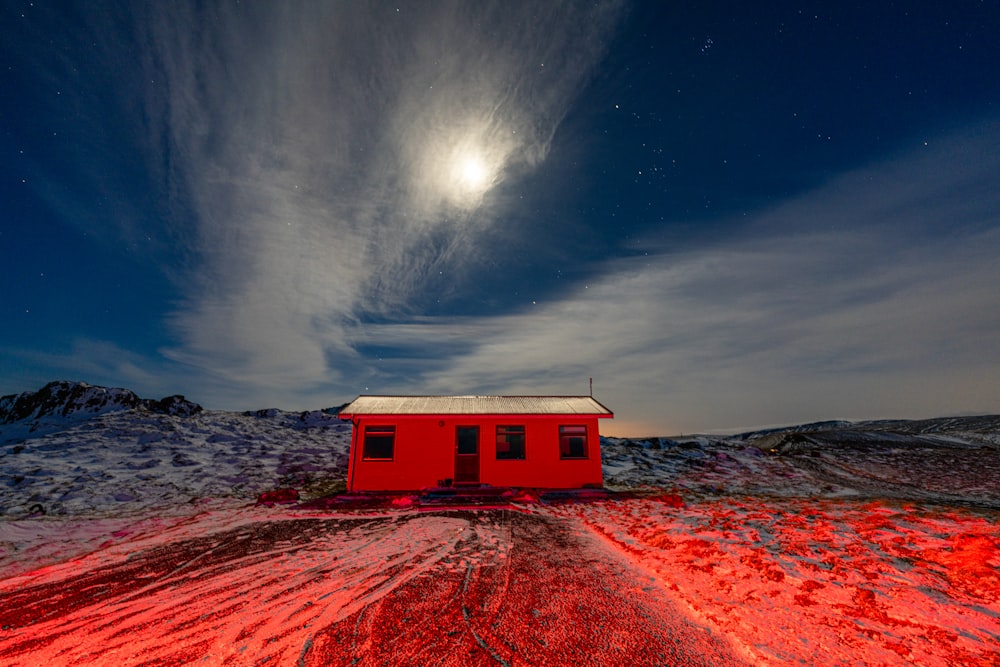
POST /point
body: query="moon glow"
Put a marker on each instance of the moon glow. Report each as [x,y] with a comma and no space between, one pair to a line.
[472,173]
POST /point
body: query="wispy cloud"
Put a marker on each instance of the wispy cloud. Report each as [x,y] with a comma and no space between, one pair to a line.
[875,295]
[332,157]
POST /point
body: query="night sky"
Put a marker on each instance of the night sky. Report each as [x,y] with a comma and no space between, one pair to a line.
[729,214]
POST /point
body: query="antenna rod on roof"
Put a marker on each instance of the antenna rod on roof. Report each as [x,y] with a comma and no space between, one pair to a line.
[591,387]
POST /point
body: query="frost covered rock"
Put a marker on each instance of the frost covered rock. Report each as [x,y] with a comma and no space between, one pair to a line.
[175,405]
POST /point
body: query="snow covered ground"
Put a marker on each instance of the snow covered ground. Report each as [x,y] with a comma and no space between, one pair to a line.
[279,587]
[954,461]
[835,543]
[133,462]
[828,582]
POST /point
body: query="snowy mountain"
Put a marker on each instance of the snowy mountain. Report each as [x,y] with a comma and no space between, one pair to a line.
[79,399]
[54,405]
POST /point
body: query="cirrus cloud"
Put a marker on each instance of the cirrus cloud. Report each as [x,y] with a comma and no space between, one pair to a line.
[319,148]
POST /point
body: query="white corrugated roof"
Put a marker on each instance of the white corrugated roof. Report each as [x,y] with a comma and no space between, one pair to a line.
[474,405]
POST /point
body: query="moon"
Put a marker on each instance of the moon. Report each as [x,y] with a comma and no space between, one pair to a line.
[458,171]
[472,173]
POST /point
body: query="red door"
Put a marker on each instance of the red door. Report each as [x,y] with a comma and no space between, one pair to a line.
[467,455]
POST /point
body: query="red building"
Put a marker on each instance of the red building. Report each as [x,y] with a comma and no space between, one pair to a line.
[406,443]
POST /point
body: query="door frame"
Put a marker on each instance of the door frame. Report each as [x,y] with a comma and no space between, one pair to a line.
[467,466]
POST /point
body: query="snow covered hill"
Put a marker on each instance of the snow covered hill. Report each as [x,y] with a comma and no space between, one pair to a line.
[953,461]
[83,450]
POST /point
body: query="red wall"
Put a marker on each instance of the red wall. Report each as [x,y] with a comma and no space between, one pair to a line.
[424,453]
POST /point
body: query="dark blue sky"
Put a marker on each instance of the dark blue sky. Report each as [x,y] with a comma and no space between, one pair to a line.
[727,214]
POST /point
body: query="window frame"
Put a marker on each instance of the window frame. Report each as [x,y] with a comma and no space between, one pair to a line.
[506,431]
[566,437]
[386,430]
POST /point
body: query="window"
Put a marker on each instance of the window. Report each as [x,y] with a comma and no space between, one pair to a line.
[467,440]
[510,442]
[572,442]
[379,441]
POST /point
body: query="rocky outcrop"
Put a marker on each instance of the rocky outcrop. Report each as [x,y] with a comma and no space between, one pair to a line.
[175,405]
